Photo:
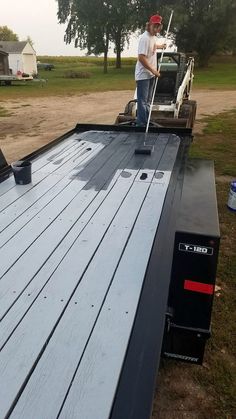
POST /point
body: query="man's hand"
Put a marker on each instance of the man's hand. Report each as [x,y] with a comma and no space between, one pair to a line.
[156,73]
[143,60]
[161,46]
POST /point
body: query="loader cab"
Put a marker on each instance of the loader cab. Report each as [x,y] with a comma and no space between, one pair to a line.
[172,73]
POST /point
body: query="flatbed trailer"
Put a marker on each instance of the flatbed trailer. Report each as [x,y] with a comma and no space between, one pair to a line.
[9,80]
[107,260]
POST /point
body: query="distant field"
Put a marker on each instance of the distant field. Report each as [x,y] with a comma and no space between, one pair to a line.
[221,74]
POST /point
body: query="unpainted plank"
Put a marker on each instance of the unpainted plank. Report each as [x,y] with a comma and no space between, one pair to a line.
[24,202]
[40,250]
[19,190]
[44,193]
[51,293]
[81,250]
[15,247]
[10,182]
[21,269]
[46,389]
[53,209]
[93,388]
[54,162]
[23,348]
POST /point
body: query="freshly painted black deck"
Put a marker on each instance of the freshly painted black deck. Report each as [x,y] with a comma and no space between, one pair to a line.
[74,249]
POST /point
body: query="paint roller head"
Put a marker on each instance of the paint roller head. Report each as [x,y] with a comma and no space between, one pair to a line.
[145,149]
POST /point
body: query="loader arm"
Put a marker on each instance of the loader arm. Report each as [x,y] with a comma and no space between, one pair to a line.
[185,87]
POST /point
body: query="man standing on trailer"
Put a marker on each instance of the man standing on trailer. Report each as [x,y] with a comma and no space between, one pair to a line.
[146,67]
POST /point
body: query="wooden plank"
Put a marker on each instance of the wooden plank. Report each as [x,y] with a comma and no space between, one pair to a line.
[72,187]
[56,165]
[56,152]
[93,387]
[23,303]
[10,183]
[19,190]
[24,202]
[61,357]
[23,348]
[130,209]
[14,248]
[169,157]
[43,193]
[90,139]
[38,252]
[53,162]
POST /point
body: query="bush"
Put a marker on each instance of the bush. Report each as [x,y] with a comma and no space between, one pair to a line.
[77,74]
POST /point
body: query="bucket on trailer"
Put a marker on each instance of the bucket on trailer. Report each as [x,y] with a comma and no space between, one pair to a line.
[232,196]
[22,172]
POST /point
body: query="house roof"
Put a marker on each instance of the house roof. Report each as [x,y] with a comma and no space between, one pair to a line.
[13,47]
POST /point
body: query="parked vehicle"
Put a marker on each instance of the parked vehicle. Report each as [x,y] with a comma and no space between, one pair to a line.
[45,66]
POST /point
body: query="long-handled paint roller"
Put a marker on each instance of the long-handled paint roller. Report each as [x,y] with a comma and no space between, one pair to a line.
[145,148]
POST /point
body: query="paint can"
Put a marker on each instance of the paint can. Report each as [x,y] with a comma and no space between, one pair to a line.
[232,196]
[22,172]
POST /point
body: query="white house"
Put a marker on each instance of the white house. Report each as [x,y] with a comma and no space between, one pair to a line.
[22,57]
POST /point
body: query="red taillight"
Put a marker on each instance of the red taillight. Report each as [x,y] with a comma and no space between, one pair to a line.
[198,287]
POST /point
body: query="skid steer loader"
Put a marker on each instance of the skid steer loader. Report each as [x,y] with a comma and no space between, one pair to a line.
[172,106]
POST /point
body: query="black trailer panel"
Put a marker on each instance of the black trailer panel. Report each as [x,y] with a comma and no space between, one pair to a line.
[194,265]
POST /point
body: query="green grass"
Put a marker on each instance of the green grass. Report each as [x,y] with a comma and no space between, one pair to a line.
[218,142]
[219,75]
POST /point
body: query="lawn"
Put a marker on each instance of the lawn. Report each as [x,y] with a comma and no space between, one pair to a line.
[221,74]
[209,392]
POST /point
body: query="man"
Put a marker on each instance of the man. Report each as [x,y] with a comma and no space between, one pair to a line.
[146,67]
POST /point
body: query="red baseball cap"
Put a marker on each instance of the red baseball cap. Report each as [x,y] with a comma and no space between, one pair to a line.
[155,20]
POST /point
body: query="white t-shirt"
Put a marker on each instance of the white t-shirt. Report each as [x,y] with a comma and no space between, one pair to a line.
[146,46]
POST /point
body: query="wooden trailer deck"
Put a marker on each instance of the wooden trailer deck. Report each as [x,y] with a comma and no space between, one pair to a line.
[74,250]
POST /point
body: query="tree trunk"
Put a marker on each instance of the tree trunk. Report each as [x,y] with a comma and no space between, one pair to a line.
[105,62]
[118,57]
[105,67]
[118,49]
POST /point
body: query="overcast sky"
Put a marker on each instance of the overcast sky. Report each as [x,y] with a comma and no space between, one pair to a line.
[38,19]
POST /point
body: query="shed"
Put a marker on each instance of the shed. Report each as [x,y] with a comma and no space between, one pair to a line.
[4,64]
[22,56]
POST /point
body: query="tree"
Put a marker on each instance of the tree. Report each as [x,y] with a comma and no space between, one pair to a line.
[93,24]
[87,24]
[205,27]
[202,26]
[7,34]
[122,25]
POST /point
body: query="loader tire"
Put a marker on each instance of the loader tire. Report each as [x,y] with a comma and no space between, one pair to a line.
[193,105]
[123,118]
[130,108]
[188,111]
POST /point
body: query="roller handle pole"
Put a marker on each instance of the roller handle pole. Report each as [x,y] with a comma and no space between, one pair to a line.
[156,81]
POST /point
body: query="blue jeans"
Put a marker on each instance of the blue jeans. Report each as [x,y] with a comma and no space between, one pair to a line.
[144,97]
